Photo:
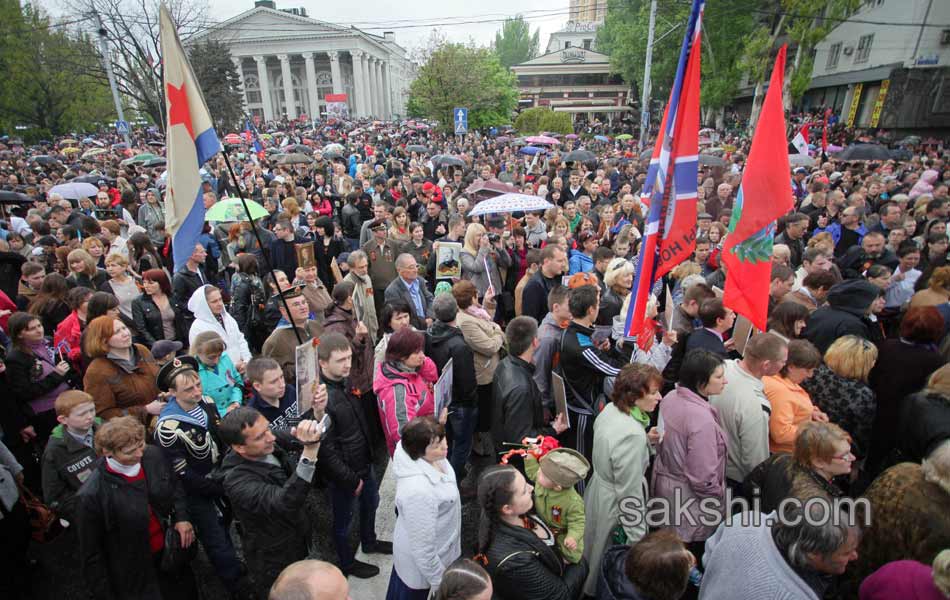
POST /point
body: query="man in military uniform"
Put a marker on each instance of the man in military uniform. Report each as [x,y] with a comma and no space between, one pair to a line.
[187,434]
[281,344]
[382,255]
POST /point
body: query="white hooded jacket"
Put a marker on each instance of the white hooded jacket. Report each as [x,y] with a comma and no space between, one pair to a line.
[235,344]
[427,538]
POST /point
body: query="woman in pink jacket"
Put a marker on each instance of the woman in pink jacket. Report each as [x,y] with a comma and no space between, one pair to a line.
[403,384]
[691,457]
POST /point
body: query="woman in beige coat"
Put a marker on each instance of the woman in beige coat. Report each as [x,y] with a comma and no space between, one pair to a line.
[485,338]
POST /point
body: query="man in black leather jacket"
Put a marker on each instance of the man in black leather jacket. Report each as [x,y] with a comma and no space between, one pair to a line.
[518,410]
[346,460]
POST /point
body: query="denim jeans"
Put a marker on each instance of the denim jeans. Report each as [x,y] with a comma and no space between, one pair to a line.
[212,531]
[341,503]
[460,429]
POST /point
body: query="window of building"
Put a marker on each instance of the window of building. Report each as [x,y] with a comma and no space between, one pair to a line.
[833,54]
[864,48]
[587,43]
[567,44]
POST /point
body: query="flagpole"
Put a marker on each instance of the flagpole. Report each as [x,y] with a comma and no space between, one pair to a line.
[270,268]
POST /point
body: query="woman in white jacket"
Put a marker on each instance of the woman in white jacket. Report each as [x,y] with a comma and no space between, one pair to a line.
[427,538]
[210,315]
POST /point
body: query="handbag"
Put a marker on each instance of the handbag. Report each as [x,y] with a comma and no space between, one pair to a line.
[44,524]
[174,557]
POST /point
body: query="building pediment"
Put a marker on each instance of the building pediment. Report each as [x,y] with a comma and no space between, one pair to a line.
[567,56]
[263,23]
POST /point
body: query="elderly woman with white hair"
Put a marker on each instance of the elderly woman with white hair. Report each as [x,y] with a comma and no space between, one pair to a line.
[618,277]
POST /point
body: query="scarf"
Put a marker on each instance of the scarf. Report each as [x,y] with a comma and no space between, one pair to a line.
[478,312]
[118,467]
[640,417]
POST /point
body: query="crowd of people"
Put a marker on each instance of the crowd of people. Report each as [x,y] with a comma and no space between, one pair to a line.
[152,410]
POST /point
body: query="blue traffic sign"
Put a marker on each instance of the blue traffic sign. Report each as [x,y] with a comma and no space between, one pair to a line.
[461,121]
[122,127]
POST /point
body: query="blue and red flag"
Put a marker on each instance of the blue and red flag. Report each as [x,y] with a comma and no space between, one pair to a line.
[250,134]
[765,194]
[669,235]
[190,141]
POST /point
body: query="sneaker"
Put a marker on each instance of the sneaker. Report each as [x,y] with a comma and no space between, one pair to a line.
[378,547]
[362,570]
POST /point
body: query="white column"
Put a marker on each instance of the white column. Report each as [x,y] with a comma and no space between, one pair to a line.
[238,62]
[335,71]
[359,83]
[368,85]
[380,95]
[289,105]
[314,106]
[265,87]
[387,92]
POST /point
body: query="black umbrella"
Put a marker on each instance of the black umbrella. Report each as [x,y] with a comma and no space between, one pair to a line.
[864,152]
[94,179]
[450,161]
[8,197]
[708,160]
[155,162]
[331,154]
[580,156]
[45,160]
[901,154]
[417,148]
[274,150]
[294,159]
[300,148]
[156,144]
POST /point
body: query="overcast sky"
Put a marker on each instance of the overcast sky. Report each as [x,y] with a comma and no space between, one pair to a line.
[413,20]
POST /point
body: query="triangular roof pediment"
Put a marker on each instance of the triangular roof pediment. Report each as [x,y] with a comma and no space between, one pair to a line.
[261,22]
[564,56]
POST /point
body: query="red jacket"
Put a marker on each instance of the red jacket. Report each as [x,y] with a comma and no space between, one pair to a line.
[70,331]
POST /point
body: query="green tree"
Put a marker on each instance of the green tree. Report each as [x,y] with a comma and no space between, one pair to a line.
[135,51]
[803,23]
[49,83]
[515,43]
[457,75]
[725,26]
[541,118]
[219,82]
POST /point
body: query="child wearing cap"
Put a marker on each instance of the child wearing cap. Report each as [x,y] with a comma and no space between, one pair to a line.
[556,501]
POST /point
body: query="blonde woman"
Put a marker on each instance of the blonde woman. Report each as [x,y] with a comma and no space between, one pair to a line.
[839,388]
[481,261]
[96,250]
[83,271]
[120,283]
[937,292]
[292,211]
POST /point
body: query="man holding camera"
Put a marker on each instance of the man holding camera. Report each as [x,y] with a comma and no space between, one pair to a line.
[268,494]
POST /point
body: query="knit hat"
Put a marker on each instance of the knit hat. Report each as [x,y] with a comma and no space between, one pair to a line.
[443,287]
[564,466]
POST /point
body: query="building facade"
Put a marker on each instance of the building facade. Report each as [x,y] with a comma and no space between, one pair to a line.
[573,80]
[584,19]
[875,72]
[289,64]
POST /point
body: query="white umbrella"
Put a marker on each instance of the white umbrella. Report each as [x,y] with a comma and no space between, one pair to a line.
[74,190]
[508,203]
[801,160]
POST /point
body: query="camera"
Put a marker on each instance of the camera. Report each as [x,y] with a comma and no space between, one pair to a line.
[494,238]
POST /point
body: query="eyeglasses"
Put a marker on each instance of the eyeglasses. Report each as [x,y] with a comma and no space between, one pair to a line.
[846,457]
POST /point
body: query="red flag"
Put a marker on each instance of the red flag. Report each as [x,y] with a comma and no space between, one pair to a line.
[824,131]
[765,194]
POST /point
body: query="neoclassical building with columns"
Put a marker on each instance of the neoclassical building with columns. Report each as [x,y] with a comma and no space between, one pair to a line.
[284,54]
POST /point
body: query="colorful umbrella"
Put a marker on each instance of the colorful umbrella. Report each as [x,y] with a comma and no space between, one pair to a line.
[542,139]
[233,139]
[93,152]
[531,150]
[230,210]
[624,136]
[601,138]
[571,136]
